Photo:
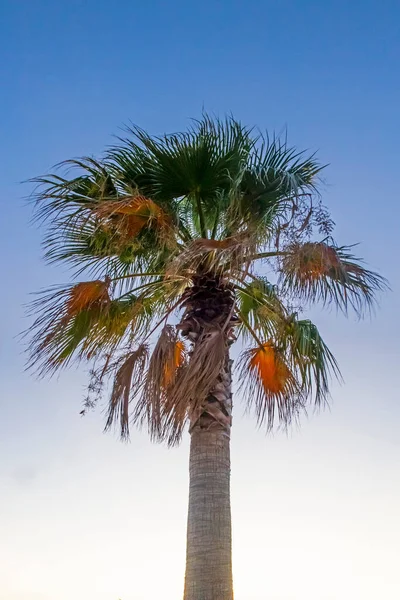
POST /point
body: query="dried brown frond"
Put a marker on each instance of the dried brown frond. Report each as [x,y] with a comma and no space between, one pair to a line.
[310,261]
[155,407]
[128,382]
[197,377]
[131,205]
[316,271]
[269,385]
[131,215]
[86,294]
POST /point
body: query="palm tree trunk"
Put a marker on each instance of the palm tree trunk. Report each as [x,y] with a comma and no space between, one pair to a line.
[209,539]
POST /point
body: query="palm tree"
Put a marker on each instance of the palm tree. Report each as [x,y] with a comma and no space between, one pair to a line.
[191,241]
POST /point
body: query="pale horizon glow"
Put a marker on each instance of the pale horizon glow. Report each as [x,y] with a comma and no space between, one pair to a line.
[315,513]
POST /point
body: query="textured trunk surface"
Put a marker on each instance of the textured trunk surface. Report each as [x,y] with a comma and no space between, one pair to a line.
[210,312]
[209,545]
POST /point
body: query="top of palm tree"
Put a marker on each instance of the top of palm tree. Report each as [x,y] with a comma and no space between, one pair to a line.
[143,225]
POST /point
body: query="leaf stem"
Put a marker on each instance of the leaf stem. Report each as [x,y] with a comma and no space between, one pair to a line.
[267,255]
[249,327]
[136,275]
[203,230]
[214,230]
[162,320]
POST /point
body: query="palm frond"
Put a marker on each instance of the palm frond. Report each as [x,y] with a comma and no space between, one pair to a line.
[195,379]
[311,359]
[57,196]
[270,184]
[65,318]
[269,385]
[165,419]
[197,166]
[96,249]
[82,321]
[128,216]
[128,382]
[316,271]
[260,308]
[290,370]
[279,164]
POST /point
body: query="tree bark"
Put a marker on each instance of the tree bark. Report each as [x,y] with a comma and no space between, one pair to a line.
[209,539]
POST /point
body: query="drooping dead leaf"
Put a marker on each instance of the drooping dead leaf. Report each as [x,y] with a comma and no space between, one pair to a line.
[164,419]
[128,381]
[197,378]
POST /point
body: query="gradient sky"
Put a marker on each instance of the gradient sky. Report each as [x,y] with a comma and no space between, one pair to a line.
[316,514]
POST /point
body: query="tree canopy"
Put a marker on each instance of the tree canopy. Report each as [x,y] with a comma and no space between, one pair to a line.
[143,223]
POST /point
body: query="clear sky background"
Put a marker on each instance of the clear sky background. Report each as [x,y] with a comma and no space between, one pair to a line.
[316,514]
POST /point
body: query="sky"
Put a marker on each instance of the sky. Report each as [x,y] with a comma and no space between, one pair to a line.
[315,513]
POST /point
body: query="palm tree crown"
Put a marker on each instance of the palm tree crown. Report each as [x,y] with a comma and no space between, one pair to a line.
[191,241]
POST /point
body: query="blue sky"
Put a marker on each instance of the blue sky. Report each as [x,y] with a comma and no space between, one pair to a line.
[324,501]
